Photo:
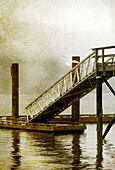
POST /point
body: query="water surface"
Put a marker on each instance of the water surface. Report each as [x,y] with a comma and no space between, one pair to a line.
[34,150]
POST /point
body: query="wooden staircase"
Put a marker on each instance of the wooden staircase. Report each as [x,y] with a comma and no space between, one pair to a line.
[74,85]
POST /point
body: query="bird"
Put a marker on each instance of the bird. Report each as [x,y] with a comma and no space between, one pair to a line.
[68,61]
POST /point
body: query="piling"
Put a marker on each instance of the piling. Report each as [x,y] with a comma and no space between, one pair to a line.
[99,105]
[76,102]
[99,119]
[15,89]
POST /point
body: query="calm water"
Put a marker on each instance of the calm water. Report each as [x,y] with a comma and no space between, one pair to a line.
[32,150]
[88,104]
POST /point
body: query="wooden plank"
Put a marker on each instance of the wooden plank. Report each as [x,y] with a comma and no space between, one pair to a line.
[107,67]
[107,55]
[44,127]
[100,48]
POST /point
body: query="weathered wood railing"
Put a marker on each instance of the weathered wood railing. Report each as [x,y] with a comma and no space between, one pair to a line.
[86,118]
[83,70]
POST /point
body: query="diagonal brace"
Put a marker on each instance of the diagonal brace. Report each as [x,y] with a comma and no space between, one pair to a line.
[109,86]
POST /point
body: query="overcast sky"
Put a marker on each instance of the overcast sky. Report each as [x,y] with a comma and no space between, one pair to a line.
[37,33]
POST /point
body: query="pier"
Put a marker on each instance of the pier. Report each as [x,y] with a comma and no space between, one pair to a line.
[84,77]
[89,74]
[43,127]
[84,118]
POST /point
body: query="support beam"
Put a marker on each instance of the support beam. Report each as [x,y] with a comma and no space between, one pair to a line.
[109,127]
[75,103]
[76,110]
[99,106]
[99,119]
[109,86]
[15,94]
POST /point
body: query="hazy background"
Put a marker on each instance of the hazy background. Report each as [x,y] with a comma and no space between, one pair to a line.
[37,33]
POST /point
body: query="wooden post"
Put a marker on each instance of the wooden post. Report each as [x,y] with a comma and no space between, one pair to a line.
[99,108]
[75,103]
[99,104]
[96,61]
[103,62]
[76,110]
[15,95]
[98,98]
[99,119]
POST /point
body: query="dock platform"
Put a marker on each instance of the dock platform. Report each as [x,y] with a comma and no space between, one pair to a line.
[43,127]
[84,118]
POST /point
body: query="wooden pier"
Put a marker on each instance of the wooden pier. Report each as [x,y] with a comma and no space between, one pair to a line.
[42,127]
[85,76]
[66,118]
[60,123]
[89,74]
[83,118]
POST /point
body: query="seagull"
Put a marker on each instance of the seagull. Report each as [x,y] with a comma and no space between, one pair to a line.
[68,62]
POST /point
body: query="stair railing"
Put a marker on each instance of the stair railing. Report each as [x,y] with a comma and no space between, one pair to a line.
[65,84]
[80,72]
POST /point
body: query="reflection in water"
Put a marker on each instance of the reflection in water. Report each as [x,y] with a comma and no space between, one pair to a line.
[57,149]
[76,151]
[43,139]
[16,149]
[99,153]
[99,147]
[63,151]
[34,150]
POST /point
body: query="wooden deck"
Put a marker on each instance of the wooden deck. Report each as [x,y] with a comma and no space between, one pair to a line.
[42,127]
[61,123]
[84,118]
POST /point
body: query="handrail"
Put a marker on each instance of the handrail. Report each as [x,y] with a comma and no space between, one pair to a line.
[61,78]
[76,75]
[80,71]
[100,48]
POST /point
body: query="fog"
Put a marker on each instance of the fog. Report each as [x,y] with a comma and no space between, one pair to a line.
[38,33]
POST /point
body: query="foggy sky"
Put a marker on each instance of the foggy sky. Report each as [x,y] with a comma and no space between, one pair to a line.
[37,33]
